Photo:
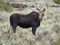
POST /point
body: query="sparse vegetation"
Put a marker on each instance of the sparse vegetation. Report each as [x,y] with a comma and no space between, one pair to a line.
[2,1]
[1,7]
[57,1]
[5,7]
[58,42]
[8,8]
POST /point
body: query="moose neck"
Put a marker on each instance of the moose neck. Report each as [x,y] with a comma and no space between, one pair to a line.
[40,16]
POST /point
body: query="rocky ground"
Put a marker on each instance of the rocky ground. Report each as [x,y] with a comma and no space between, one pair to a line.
[47,33]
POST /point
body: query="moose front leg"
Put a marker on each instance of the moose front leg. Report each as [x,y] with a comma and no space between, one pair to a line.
[12,32]
[34,30]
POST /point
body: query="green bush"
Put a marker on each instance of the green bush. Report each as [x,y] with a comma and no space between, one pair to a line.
[1,7]
[8,8]
[1,1]
[57,1]
[58,42]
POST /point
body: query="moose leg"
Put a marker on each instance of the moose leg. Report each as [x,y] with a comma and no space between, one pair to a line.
[12,31]
[34,30]
[14,28]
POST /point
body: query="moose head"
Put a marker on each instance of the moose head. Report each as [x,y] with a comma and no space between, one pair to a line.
[41,13]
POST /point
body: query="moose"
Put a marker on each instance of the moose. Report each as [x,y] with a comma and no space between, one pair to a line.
[32,20]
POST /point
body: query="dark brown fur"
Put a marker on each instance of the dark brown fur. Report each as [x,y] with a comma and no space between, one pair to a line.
[25,21]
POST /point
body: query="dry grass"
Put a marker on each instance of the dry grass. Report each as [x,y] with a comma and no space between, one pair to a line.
[45,35]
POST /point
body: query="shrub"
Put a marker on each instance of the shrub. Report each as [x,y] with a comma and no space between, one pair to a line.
[58,42]
[57,1]
[2,1]
[1,7]
[8,8]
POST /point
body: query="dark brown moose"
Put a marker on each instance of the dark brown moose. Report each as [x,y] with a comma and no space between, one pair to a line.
[32,19]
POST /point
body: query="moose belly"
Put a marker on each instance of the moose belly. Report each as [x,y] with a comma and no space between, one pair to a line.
[24,25]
